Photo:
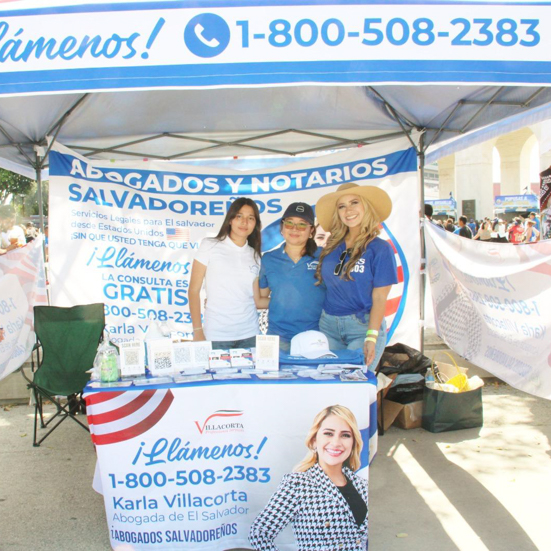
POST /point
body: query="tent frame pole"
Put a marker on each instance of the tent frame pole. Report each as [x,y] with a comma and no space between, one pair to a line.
[41,154]
[15,144]
[420,149]
[38,168]
[38,165]
[422,220]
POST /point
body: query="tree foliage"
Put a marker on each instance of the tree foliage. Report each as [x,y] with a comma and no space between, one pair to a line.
[31,201]
[11,183]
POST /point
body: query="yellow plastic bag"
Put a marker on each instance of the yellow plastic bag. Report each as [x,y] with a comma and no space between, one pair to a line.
[459,381]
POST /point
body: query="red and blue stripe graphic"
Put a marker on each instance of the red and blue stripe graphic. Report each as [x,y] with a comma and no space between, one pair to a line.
[119,416]
[396,301]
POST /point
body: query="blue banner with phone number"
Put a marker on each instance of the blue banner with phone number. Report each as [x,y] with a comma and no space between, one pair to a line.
[159,44]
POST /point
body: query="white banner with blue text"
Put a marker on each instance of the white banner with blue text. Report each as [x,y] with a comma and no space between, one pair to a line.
[109,45]
[190,467]
[491,304]
[22,287]
[125,233]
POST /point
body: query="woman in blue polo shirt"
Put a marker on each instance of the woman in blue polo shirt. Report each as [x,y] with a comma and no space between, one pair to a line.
[287,277]
[357,268]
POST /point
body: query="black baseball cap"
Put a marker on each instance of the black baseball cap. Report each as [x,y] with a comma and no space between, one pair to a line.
[300,210]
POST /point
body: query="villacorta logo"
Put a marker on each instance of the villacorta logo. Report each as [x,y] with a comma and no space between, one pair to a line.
[220,421]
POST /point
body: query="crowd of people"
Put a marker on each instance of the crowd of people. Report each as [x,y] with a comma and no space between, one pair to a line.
[496,230]
[12,233]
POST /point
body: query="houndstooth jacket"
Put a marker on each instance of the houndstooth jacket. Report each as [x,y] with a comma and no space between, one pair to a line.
[320,515]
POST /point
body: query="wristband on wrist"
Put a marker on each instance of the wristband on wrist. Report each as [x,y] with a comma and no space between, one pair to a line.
[370,339]
[197,328]
[373,332]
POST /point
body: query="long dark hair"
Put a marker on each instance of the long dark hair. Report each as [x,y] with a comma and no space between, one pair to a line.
[311,246]
[255,239]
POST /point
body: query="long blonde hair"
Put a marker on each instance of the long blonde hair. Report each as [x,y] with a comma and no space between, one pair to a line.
[369,231]
[353,461]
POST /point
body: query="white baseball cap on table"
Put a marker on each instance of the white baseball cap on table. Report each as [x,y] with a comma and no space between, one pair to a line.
[311,345]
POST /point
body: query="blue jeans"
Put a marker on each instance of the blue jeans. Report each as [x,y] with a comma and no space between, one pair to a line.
[348,332]
[241,343]
[284,345]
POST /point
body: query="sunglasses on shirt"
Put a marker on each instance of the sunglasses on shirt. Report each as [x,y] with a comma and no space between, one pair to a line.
[301,226]
[342,260]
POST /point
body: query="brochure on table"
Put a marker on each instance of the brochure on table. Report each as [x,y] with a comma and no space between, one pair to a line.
[172,360]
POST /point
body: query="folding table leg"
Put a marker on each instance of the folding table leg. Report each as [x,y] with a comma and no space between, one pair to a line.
[381,420]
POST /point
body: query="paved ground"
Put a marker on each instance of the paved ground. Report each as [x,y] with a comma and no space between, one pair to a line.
[471,490]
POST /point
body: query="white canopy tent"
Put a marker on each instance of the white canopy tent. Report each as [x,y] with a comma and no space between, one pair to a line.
[437,71]
[177,124]
[174,81]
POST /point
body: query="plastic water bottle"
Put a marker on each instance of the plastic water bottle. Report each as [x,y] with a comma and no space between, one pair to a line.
[437,376]
[109,368]
[429,377]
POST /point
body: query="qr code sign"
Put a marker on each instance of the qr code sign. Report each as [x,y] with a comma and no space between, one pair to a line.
[265,349]
[182,355]
[162,361]
[202,354]
[131,357]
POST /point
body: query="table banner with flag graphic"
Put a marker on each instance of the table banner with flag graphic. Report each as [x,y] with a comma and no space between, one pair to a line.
[190,466]
[22,287]
[125,232]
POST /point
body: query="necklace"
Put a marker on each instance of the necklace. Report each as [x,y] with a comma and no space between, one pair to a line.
[294,258]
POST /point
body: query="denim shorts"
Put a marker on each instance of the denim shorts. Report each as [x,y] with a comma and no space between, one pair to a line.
[348,332]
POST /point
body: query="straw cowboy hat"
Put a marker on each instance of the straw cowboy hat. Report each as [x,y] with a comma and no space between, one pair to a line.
[377,198]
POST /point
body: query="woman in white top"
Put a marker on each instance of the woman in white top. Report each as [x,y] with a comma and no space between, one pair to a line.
[485,231]
[228,264]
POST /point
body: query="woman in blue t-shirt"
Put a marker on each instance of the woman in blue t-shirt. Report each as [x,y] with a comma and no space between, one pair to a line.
[357,268]
[287,277]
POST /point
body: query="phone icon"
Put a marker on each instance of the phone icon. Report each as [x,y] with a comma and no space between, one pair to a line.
[199,31]
[207,35]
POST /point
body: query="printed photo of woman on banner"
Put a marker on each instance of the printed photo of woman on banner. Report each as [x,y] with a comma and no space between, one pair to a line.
[324,499]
